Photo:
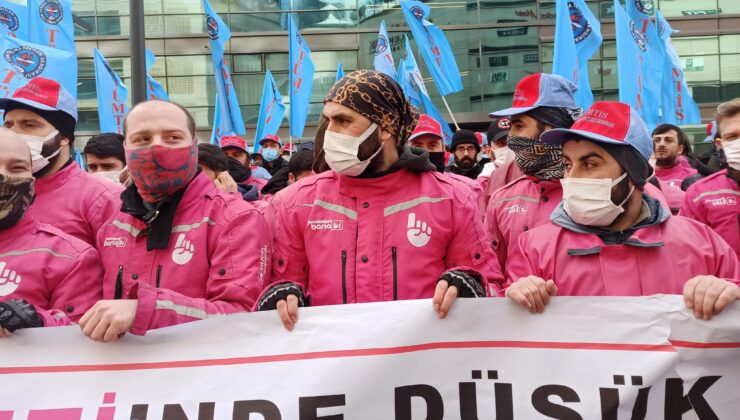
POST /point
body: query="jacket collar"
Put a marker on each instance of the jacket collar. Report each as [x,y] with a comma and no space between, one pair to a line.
[56,181]
[641,235]
[356,187]
[27,225]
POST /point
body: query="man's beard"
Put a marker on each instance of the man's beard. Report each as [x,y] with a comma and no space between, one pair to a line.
[465,163]
[367,149]
[667,162]
[50,147]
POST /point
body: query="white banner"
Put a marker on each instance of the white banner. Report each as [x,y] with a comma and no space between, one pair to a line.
[584,358]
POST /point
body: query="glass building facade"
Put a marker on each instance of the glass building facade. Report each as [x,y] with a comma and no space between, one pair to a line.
[495,42]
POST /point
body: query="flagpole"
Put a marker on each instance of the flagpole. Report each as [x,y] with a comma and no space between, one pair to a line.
[138,54]
[457,127]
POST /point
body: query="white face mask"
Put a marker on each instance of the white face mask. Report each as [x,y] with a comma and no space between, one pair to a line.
[589,201]
[502,154]
[110,175]
[341,150]
[36,144]
[732,153]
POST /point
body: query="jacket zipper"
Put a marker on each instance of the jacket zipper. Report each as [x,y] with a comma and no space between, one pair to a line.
[118,292]
[159,272]
[344,276]
[395,273]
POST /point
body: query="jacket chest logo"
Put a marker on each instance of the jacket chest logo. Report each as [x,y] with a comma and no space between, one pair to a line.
[9,280]
[516,209]
[117,241]
[723,201]
[184,250]
[326,224]
[418,233]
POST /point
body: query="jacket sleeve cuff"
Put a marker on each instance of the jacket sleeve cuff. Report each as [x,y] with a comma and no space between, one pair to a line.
[146,297]
[469,282]
[279,291]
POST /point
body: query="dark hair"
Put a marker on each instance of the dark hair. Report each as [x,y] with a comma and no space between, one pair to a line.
[106,145]
[683,140]
[552,116]
[300,162]
[188,116]
[212,157]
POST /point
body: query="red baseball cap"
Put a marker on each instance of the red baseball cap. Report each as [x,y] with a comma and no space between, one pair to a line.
[272,137]
[538,90]
[607,122]
[45,95]
[235,142]
[427,125]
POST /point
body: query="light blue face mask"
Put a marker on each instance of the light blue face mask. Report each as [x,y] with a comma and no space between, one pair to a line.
[269,154]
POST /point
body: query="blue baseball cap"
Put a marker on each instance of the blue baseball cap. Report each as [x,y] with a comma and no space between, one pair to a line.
[538,90]
[607,122]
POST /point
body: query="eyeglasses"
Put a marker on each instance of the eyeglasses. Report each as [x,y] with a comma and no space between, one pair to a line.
[465,149]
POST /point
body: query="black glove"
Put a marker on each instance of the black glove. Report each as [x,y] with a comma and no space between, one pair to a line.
[16,314]
[278,292]
[467,285]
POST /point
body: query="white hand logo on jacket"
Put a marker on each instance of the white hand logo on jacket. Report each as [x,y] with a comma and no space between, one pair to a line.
[9,280]
[184,250]
[418,233]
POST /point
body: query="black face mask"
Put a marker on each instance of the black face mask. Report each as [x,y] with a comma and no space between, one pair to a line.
[438,160]
[16,195]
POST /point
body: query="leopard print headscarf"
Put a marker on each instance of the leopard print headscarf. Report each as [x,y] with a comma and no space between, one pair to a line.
[378,98]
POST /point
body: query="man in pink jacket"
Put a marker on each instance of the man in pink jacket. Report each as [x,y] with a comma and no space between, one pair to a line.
[382,224]
[47,278]
[541,102]
[67,197]
[715,200]
[609,238]
[179,250]
[671,168]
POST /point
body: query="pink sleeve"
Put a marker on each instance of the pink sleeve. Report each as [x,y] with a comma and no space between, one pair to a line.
[105,206]
[239,268]
[518,264]
[290,262]
[728,265]
[498,241]
[469,249]
[80,289]
[688,208]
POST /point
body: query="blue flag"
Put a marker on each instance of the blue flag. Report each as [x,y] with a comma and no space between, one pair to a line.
[51,24]
[383,57]
[577,38]
[654,61]
[272,110]
[434,47]
[22,61]
[301,79]
[340,72]
[406,85]
[632,66]
[78,158]
[229,114]
[112,94]
[154,89]
[679,107]
[216,132]
[13,20]
[415,83]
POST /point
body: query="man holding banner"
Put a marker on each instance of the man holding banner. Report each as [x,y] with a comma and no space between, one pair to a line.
[47,278]
[178,250]
[44,114]
[609,237]
[382,224]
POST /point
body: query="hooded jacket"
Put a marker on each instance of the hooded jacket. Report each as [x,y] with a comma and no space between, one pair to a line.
[57,273]
[216,262]
[715,201]
[658,255]
[75,202]
[349,240]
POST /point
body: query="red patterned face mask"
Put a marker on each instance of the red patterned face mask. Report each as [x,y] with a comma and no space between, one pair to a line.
[160,171]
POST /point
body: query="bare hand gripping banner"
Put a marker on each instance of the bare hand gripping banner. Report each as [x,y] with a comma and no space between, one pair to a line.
[584,358]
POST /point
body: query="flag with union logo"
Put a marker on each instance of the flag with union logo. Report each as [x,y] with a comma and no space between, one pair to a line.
[23,60]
